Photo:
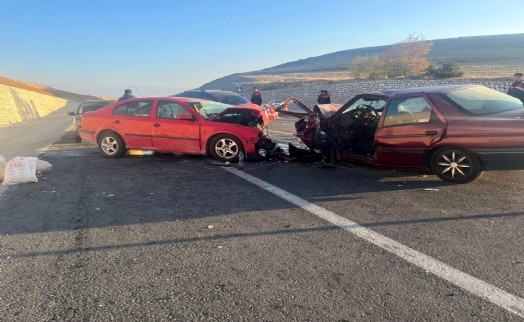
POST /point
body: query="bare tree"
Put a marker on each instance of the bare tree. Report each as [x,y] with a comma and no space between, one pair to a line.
[368,67]
[406,58]
[403,59]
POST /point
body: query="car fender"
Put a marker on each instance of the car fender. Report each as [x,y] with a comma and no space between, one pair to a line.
[108,129]
[442,144]
[249,147]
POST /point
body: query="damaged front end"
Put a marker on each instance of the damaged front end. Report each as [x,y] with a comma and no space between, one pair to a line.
[336,132]
[251,117]
[241,116]
[312,129]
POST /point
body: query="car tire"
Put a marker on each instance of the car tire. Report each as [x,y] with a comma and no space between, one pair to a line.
[456,165]
[78,139]
[225,147]
[111,145]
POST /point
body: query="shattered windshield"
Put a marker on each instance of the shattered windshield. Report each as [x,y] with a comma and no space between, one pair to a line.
[363,102]
[208,109]
[481,100]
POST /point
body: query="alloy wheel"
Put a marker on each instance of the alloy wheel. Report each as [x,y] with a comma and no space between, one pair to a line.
[226,148]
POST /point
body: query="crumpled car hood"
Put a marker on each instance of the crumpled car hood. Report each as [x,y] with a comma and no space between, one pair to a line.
[242,115]
[325,110]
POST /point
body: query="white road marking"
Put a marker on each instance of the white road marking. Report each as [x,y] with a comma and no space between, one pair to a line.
[281,132]
[489,292]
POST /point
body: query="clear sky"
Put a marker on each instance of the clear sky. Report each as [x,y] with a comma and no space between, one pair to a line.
[160,47]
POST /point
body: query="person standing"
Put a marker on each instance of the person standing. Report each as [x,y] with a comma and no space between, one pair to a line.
[127,95]
[256,97]
[324,97]
[517,88]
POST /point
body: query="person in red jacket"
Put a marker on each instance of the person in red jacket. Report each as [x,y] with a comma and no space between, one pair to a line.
[517,88]
[256,97]
[324,97]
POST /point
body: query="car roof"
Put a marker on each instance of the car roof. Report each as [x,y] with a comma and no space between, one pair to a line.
[418,90]
[177,98]
[209,91]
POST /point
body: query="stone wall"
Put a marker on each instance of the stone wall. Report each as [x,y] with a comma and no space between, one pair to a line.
[18,104]
[343,91]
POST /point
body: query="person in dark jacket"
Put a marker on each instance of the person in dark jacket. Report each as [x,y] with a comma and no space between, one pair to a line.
[256,97]
[127,95]
[517,88]
[324,97]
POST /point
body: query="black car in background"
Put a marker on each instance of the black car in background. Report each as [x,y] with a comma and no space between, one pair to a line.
[86,106]
[216,95]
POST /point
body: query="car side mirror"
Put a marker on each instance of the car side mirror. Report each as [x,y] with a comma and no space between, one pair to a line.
[185,117]
[71,113]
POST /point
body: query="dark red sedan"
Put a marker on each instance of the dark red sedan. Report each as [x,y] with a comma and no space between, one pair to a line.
[182,125]
[455,131]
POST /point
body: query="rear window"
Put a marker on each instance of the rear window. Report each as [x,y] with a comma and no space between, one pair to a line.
[229,98]
[193,95]
[481,100]
[217,96]
[92,106]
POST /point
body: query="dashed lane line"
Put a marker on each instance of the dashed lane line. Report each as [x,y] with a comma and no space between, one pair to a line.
[491,293]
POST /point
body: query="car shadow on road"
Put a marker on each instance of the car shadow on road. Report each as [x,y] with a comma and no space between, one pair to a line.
[223,237]
[87,190]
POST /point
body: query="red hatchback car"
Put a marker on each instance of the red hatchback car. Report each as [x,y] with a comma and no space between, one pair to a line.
[176,124]
[455,131]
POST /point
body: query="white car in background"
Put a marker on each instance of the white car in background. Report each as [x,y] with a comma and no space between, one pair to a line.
[86,106]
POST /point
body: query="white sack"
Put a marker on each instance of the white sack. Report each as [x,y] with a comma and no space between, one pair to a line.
[43,166]
[2,168]
[20,170]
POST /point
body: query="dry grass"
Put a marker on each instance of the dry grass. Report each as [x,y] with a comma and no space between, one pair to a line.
[470,71]
[106,98]
[23,85]
[41,89]
[491,71]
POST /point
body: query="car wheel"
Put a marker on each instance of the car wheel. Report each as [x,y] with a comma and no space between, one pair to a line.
[456,165]
[225,147]
[112,145]
[78,139]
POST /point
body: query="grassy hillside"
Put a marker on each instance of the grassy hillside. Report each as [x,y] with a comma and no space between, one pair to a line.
[45,90]
[481,56]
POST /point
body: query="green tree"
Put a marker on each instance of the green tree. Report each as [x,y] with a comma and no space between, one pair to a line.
[446,70]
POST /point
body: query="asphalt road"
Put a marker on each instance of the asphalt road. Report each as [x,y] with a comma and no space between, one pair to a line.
[180,238]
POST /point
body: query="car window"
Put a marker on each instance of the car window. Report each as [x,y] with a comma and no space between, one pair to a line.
[481,100]
[135,108]
[411,110]
[92,106]
[170,110]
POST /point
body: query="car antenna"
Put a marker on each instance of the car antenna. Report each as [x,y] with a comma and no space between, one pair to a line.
[138,91]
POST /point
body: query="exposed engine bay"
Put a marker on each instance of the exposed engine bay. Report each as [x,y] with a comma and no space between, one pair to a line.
[338,132]
[244,117]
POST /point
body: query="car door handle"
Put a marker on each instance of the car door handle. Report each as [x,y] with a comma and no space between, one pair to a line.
[117,122]
[431,132]
[156,125]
